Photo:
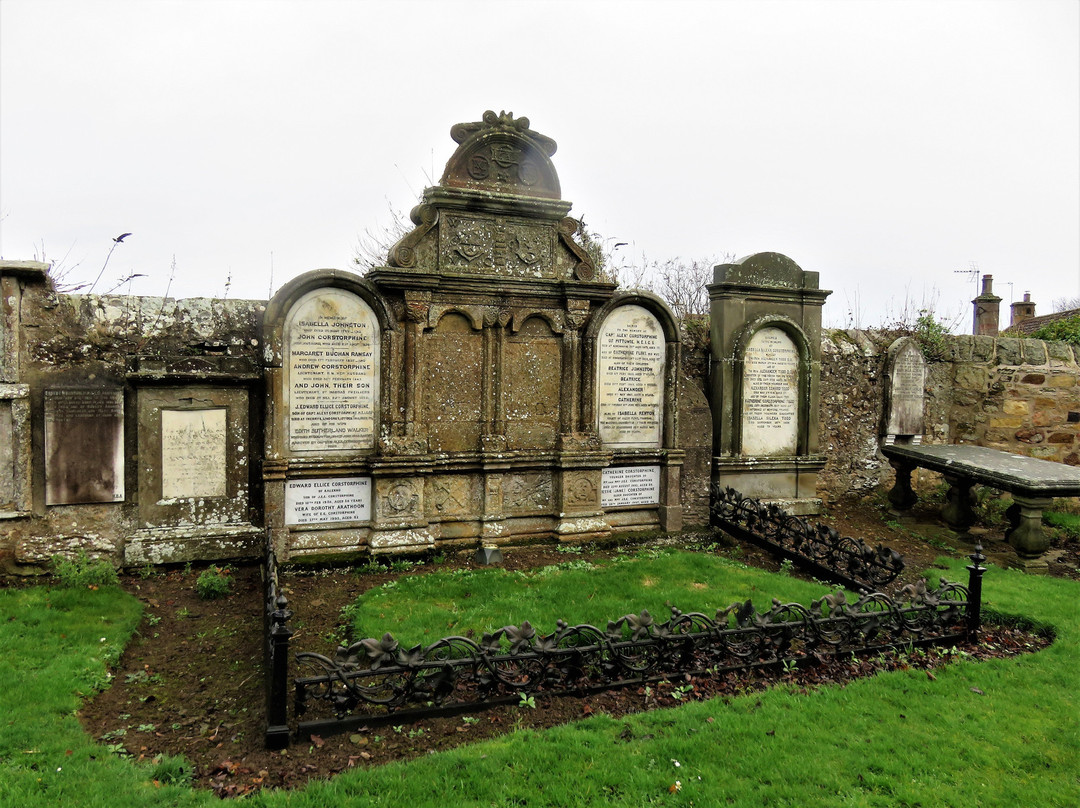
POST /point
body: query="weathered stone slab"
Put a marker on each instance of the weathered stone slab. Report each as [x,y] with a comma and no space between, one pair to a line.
[332,364]
[626,486]
[1026,476]
[193,453]
[84,445]
[327,500]
[630,378]
[907,388]
[770,395]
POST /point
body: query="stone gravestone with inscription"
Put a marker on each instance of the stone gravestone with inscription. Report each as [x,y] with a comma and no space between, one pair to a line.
[332,355]
[905,392]
[193,462]
[770,395]
[484,386]
[630,378]
[766,346]
[84,445]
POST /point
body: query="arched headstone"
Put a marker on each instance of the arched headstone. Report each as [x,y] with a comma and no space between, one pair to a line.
[905,393]
[630,379]
[331,379]
[770,395]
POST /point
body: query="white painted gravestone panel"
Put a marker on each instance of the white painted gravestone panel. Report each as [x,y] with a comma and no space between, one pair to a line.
[331,499]
[907,387]
[84,446]
[623,486]
[630,378]
[193,453]
[332,366]
[770,395]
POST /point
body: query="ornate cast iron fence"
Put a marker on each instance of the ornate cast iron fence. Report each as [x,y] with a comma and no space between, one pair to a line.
[817,548]
[276,634]
[378,681]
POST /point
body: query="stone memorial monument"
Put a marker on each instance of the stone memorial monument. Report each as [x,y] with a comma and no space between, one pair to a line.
[484,386]
[193,442]
[905,392]
[766,352]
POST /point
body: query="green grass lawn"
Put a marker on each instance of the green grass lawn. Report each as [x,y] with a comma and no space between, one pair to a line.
[898,739]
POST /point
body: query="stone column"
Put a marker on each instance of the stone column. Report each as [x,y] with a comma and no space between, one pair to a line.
[1026,533]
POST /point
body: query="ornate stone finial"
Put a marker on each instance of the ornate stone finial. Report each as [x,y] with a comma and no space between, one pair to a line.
[501,153]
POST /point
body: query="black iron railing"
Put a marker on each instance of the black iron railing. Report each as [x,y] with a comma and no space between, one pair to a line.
[819,549]
[276,634]
[378,681]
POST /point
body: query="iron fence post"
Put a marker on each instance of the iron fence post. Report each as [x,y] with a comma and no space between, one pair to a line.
[277,707]
[974,606]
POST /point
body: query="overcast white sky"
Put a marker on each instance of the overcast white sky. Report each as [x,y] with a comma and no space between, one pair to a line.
[885,145]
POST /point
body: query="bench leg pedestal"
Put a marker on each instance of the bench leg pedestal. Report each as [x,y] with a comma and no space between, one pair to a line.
[1026,534]
[958,513]
[902,496]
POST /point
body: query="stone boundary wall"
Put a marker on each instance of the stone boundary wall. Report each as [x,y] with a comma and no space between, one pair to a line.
[1017,395]
[53,340]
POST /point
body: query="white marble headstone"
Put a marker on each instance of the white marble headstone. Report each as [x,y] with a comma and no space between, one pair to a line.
[332,370]
[770,395]
[630,378]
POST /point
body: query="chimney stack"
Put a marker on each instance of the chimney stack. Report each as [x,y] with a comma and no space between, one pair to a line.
[1021,311]
[987,309]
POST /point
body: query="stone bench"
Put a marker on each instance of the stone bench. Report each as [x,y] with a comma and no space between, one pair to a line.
[1033,484]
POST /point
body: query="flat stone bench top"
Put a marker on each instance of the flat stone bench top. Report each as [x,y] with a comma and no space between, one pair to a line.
[1026,476]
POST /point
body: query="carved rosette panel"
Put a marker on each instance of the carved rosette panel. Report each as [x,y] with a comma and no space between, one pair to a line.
[579,488]
[398,499]
[527,492]
[499,245]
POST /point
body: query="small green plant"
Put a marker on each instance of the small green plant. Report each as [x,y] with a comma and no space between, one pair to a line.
[1064,330]
[1067,523]
[525,700]
[470,719]
[786,566]
[932,336]
[171,770]
[681,692]
[82,571]
[402,565]
[214,582]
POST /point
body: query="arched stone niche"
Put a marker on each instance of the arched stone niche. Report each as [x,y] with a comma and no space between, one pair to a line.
[765,330]
[772,390]
[634,344]
[326,338]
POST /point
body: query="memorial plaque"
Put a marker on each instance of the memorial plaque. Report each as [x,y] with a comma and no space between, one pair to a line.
[193,453]
[623,486]
[770,395]
[907,388]
[332,364]
[331,499]
[630,378]
[84,445]
[7,457]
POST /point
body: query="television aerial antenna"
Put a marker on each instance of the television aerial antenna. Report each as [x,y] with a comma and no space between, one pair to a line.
[972,272]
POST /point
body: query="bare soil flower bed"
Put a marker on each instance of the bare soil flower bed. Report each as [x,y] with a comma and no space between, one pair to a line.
[190,683]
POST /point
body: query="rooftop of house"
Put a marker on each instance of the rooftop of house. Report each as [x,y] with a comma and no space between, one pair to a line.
[1032,324]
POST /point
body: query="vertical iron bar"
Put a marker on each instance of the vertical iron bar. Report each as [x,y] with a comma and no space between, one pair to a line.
[974,606]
